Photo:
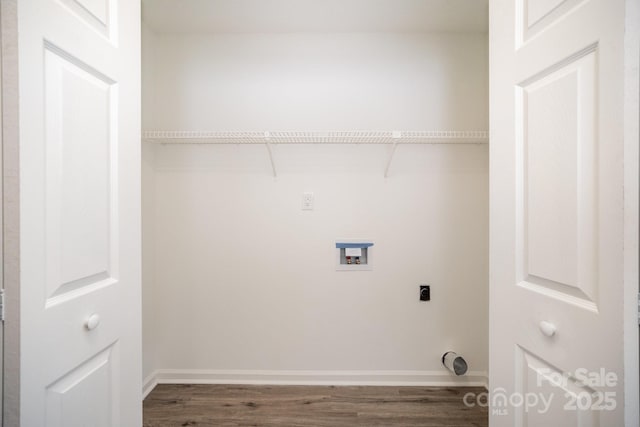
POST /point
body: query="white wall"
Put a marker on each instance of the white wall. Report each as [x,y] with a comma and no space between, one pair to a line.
[243,281]
[321,82]
[149,349]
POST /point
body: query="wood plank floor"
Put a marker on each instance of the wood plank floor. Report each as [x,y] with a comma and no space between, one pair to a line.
[302,406]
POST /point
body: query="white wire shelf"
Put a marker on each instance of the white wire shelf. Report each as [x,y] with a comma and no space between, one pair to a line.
[339,137]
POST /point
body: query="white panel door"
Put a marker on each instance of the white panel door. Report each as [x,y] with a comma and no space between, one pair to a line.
[79,70]
[557,219]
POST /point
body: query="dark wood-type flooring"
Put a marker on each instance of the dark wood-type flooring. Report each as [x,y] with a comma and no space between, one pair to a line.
[293,406]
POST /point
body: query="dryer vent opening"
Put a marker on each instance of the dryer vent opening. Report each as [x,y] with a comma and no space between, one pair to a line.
[455,363]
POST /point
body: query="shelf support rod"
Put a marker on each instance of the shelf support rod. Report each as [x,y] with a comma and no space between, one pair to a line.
[397,135]
[267,141]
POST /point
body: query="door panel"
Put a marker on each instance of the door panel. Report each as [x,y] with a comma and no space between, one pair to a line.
[80,212]
[556,124]
[533,16]
[81,185]
[536,379]
[84,396]
[98,14]
[557,211]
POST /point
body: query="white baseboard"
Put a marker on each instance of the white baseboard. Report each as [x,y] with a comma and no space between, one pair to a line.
[149,383]
[368,378]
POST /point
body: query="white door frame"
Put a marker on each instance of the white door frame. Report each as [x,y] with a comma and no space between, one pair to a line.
[10,214]
[1,236]
[631,208]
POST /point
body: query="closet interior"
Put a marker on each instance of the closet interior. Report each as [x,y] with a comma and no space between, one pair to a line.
[275,130]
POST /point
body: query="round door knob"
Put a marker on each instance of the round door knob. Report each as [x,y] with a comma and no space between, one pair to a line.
[92,322]
[547,328]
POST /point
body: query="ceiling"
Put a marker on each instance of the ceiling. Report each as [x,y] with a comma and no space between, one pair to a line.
[280,16]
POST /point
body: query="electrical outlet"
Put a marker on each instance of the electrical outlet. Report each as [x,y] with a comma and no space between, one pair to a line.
[307,201]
